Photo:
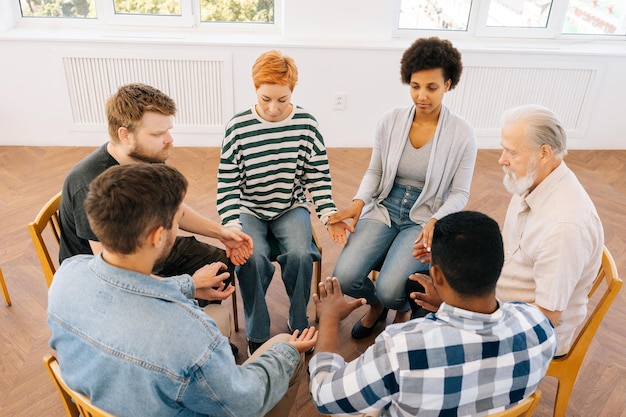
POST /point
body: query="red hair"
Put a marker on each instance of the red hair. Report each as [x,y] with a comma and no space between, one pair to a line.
[272,67]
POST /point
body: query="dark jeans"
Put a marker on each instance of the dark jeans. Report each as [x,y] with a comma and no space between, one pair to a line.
[413,286]
[188,255]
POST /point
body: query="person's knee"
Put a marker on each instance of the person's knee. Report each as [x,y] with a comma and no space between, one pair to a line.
[254,270]
[392,296]
[256,261]
[298,255]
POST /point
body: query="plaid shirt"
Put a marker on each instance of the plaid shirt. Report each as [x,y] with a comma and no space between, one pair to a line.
[450,363]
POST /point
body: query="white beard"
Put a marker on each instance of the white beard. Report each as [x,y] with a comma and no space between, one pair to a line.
[515,185]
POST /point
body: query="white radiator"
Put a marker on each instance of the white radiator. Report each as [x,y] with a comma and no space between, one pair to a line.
[485,92]
[201,88]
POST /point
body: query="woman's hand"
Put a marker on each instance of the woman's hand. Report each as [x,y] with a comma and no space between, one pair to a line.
[353,211]
[239,246]
[421,248]
[338,232]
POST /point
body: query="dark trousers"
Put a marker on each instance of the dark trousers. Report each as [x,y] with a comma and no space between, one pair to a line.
[188,255]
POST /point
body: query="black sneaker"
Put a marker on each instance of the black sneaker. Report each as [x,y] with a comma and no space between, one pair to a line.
[234,349]
[253,346]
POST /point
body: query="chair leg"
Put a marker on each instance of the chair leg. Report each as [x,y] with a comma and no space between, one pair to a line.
[563,392]
[5,291]
[235,315]
[317,266]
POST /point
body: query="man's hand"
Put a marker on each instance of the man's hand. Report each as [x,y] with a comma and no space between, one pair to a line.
[331,306]
[238,245]
[429,299]
[304,341]
[338,232]
[209,282]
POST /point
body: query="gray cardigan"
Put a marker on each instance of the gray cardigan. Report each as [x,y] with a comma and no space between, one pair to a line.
[449,173]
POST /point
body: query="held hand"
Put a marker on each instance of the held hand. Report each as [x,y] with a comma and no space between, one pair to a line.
[426,235]
[237,256]
[353,211]
[421,252]
[209,282]
[330,304]
[338,232]
[304,341]
[429,299]
[238,245]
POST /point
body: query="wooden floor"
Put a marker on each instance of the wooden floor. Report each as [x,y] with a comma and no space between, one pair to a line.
[30,175]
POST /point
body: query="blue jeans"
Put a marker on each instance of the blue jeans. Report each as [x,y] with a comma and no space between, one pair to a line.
[293,233]
[373,244]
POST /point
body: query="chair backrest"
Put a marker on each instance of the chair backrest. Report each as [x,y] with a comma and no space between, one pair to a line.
[48,217]
[524,408]
[608,274]
[75,403]
[566,368]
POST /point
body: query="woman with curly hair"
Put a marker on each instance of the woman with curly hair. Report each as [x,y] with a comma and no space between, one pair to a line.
[420,170]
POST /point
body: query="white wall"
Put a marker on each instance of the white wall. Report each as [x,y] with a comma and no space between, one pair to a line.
[355,55]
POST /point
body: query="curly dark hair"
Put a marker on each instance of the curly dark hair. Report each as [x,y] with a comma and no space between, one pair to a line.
[429,53]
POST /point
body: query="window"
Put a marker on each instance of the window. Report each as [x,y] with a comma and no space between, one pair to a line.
[242,11]
[515,18]
[129,11]
[516,13]
[58,8]
[595,17]
[434,14]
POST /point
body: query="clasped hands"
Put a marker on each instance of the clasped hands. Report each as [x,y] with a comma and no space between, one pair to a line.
[239,246]
[337,228]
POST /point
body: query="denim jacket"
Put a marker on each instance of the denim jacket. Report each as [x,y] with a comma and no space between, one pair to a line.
[140,346]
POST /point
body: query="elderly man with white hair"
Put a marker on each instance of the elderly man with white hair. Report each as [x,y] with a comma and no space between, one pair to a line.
[553,236]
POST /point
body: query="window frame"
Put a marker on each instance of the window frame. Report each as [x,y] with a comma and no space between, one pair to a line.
[105,13]
[477,26]
[107,18]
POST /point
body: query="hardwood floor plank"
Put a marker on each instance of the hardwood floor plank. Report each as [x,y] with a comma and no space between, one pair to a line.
[31,175]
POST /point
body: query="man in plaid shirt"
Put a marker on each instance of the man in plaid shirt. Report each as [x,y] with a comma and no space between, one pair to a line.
[474,356]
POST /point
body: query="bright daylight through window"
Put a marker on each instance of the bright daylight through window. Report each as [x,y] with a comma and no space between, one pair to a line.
[241,11]
[592,17]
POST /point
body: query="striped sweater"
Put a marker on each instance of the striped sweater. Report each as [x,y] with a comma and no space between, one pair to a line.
[266,168]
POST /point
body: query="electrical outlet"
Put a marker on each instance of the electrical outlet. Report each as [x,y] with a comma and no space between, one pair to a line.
[339,101]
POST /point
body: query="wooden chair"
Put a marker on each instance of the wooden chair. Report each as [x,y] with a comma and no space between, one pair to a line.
[5,292]
[524,408]
[75,403]
[48,216]
[565,369]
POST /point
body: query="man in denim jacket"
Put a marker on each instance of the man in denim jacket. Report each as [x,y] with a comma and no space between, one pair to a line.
[137,344]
